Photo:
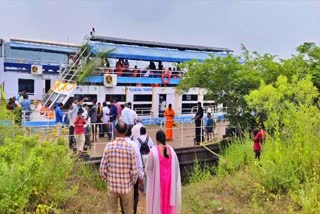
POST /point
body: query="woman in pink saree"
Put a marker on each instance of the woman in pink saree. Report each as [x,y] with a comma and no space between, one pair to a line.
[163,191]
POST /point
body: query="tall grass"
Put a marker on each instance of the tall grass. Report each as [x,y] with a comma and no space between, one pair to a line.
[291,156]
[200,174]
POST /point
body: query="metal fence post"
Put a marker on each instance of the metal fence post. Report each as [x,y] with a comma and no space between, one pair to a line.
[201,132]
[182,134]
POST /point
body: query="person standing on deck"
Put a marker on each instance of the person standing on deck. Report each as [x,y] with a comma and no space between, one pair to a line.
[169,115]
[99,120]
[105,118]
[94,120]
[59,116]
[136,129]
[73,108]
[113,117]
[79,123]
[198,121]
[119,109]
[26,106]
[127,115]
[119,169]
[163,192]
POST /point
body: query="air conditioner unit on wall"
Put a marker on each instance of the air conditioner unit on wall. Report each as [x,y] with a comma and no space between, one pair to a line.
[110,80]
[36,69]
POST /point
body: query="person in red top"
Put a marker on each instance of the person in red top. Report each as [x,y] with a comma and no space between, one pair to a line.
[119,67]
[79,123]
[258,140]
[119,108]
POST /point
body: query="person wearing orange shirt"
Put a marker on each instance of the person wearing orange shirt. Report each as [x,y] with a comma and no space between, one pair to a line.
[169,115]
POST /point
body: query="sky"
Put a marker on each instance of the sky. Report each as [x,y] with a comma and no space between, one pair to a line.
[266,26]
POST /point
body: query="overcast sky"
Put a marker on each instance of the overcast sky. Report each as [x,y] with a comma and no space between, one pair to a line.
[272,26]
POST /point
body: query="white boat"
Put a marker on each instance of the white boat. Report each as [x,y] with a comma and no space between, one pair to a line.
[49,71]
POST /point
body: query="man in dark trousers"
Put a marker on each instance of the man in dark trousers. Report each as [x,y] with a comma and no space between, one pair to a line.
[198,120]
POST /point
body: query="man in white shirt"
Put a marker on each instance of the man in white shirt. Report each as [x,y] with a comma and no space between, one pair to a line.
[85,115]
[127,115]
[105,118]
[143,137]
[135,116]
[136,129]
[139,168]
[71,116]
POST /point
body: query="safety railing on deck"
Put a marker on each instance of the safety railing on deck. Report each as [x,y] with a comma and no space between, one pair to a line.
[139,72]
[184,134]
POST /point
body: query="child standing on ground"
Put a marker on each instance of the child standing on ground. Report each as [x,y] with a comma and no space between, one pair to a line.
[79,123]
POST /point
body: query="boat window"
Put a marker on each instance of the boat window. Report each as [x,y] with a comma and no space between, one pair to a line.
[26,84]
[46,98]
[189,97]
[209,107]
[61,98]
[142,98]
[119,97]
[90,97]
[53,97]
[143,109]
[189,108]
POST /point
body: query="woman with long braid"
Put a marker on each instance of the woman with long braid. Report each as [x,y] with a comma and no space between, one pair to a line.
[163,191]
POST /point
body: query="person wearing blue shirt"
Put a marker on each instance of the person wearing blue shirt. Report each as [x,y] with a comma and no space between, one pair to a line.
[113,117]
[59,116]
[209,125]
[26,106]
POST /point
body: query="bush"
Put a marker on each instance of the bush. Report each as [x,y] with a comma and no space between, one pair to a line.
[32,174]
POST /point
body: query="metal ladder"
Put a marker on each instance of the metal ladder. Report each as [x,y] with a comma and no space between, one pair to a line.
[71,72]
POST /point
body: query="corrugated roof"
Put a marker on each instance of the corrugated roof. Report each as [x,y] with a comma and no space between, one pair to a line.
[150,54]
[42,47]
[158,44]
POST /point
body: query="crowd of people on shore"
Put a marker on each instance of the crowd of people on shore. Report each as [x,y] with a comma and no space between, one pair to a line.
[131,162]
[88,122]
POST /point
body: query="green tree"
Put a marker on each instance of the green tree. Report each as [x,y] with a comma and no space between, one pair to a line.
[310,53]
[229,79]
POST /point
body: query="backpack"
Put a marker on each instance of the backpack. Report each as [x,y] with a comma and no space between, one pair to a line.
[144,149]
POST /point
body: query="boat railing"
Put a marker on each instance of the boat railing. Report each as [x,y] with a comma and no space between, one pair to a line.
[98,134]
[139,72]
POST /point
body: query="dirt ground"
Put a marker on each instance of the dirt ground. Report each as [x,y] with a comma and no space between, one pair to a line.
[90,200]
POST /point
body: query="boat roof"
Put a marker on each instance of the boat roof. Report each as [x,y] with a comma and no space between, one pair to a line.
[42,42]
[151,44]
[127,49]
[150,53]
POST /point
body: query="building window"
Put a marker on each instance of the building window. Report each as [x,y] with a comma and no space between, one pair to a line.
[27,85]
[142,98]
[189,97]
